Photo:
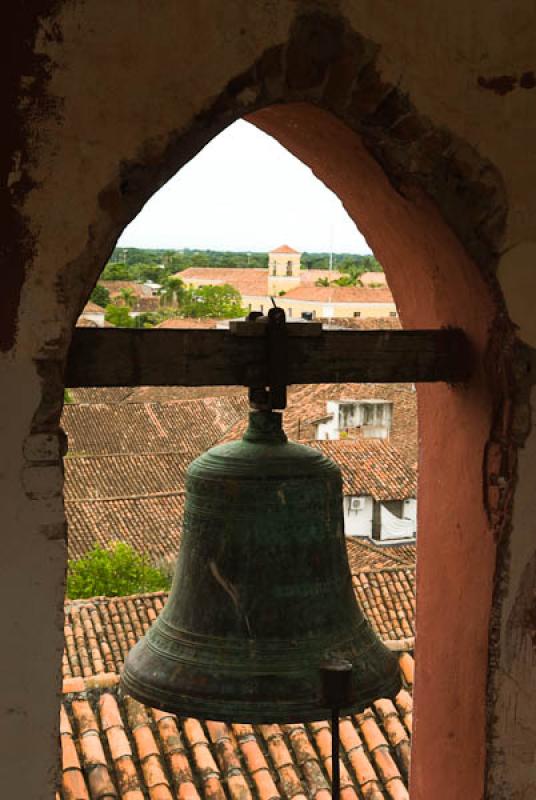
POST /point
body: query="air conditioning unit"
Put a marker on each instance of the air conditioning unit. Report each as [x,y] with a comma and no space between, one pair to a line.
[357,503]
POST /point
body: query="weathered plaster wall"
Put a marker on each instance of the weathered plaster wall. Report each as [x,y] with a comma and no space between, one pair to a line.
[104,101]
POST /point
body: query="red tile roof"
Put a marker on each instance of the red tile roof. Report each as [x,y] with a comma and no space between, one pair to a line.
[152,524]
[373,277]
[92,308]
[250,282]
[365,555]
[371,467]
[123,475]
[188,426]
[308,277]
[152,394]
[387,597]
[188,322]
[340,294]
[284,248]
[100,631]
[114,747]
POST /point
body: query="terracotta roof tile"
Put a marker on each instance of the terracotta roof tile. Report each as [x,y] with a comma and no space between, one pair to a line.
[371,467]
[250,282]
[131,752]
[150,524]
[364,554]
[188,426]
[284,248]
[341,294]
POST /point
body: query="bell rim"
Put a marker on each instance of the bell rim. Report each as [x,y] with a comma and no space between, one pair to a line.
[254,712]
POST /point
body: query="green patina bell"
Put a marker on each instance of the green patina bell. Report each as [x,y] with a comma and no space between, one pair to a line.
[262,595]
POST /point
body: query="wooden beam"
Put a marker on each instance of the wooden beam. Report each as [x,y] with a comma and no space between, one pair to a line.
[125,357]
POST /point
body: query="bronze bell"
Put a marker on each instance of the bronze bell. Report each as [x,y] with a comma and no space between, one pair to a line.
[262,595]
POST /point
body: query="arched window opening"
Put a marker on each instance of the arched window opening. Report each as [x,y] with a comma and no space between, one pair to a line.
[147,285]
[337,156]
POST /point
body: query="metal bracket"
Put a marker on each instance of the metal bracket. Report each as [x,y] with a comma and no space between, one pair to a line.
[273,393]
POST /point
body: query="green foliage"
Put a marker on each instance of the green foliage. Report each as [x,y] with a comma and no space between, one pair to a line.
[116,570]
[322,282]
[67,396]
[135,264]
[118,316]
[100,295]
[173,291]
[219,302]
[128,297]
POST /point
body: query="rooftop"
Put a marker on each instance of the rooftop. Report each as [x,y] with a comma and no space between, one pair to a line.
[341,294]
[284,248]
[187,426]
[114,747]
[371,467]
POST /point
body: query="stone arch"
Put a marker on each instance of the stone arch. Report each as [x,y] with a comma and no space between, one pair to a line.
[434,212]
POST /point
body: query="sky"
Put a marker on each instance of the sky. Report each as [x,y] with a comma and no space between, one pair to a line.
[244,191]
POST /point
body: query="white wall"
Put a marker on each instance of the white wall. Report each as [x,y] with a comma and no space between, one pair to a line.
[358,523]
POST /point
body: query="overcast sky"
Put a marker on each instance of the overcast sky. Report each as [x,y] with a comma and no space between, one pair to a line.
[244,191]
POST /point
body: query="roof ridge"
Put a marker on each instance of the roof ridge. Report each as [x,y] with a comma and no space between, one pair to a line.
[404,567]
[175,493]
[100,598]
[78,456]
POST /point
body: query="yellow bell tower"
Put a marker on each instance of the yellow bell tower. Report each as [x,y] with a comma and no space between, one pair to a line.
[283,269]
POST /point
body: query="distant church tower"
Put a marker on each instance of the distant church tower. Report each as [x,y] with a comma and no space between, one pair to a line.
[283,269]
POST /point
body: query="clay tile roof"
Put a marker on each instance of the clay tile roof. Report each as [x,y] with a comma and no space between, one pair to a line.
[371,467]
[341,294]
[284,248]
[387,597]
[373,277]
[188,426]
[100,631]
[114,747]
[92,308]
[250,282]
[364,554]
[151,524]
[188,322]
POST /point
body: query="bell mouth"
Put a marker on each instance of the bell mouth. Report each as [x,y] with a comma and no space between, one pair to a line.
[265,427]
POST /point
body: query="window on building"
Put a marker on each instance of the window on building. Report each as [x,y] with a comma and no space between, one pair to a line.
[289,313]
[393,314]
[357,313]
[289,267]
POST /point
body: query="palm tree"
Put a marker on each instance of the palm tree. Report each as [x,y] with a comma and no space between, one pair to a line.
[128,296]
[322,282]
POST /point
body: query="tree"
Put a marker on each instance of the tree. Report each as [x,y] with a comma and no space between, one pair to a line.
[128,296]
[219,302]
[115,570]
[322,282]
[115,272]
[118,316]
[173,291]
[100,295]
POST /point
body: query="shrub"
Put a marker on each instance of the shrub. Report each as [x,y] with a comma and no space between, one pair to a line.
[115,570]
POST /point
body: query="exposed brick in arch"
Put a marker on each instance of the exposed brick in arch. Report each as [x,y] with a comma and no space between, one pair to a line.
[434,212]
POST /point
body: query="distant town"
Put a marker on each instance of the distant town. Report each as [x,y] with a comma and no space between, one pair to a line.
[151,288]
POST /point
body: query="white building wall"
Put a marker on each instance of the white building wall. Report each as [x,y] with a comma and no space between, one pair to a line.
[358,523]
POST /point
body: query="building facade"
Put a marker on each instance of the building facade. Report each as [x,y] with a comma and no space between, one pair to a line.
[295,289]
